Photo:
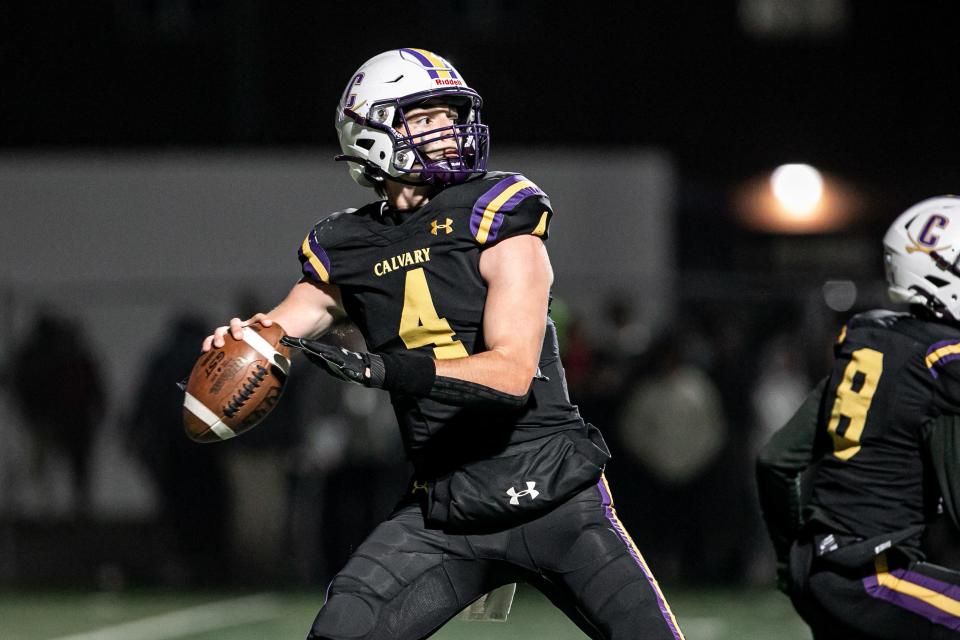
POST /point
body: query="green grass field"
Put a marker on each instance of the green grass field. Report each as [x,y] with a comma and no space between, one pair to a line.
[703,615]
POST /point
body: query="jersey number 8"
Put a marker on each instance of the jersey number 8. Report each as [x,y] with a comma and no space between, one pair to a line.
[854,395]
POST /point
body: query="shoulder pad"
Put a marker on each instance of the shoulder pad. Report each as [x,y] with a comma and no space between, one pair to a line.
[875,319]
[342,225]
[881,318]
[327,233]
[509,205]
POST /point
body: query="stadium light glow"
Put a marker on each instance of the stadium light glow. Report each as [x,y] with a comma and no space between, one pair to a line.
[797,187]
[796,199]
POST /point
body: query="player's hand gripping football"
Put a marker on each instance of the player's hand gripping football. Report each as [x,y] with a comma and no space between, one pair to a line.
[235,329]
[352,366]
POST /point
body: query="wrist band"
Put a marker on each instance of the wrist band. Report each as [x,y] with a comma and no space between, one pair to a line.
[406,372]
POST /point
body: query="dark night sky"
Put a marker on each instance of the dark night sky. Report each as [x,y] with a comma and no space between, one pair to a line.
[877,102]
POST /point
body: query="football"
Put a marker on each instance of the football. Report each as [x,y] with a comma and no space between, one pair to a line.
[233,388]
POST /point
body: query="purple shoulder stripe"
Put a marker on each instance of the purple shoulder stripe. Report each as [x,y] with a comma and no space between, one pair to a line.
[316,263]
[941,353]
[488,212]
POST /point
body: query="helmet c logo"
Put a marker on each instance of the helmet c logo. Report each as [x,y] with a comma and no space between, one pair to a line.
[926,235]
[927,240]
[350,98]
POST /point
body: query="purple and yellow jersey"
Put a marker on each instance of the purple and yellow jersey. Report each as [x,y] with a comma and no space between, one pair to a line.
[892,375]
[414,282]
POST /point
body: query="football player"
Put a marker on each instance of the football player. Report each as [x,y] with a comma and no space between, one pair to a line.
[448,279]
[850,483]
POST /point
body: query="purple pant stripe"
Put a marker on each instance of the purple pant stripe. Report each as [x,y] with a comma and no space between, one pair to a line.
[952,591]
[913,603]
[607,501]
[917,606]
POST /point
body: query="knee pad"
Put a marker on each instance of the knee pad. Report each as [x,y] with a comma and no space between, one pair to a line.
[345,616]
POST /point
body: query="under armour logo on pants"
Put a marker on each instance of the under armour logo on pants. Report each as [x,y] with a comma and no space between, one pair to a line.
[529,491]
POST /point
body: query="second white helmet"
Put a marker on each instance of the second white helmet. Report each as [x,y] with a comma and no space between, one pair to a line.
[921,251]
[373,133]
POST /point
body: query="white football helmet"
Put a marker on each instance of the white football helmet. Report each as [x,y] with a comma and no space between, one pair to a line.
[373,132]
[921,251]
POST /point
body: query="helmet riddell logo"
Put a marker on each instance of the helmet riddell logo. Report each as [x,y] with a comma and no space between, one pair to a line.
[927,241]
[447,226]
[529,491]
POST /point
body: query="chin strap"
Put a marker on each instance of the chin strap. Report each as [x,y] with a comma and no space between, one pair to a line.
[933,305]
[375,173]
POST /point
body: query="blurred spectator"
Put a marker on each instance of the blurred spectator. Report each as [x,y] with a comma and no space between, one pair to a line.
[672,428]
[781,385]
[673,421]
[606,367]
[579,357]
[58,389]
[190,478]
[623,331]
[348,468]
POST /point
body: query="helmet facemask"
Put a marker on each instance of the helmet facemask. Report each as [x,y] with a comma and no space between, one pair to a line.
[409,163]
[379,142]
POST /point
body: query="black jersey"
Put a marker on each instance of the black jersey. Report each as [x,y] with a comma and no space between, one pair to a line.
[893,374]
[413,282]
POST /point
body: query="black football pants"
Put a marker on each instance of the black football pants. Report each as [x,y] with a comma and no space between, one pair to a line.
[891,599]
[405,581]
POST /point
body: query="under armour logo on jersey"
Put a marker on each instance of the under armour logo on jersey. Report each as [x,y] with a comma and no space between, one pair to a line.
[529,491]
[447,226]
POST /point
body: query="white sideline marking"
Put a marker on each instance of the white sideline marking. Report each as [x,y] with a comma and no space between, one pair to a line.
[189,621]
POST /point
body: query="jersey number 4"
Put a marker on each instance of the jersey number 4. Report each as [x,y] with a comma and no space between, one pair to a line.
[854,395]
[419,323]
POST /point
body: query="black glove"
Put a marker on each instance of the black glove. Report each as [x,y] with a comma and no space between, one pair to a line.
[353,366]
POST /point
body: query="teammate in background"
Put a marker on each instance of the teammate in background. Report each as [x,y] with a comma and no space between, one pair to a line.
[448,279]
[849,484]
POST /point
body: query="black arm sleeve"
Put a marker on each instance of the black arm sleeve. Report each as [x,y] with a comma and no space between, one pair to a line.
[412,373]
[943,444]
[470,394]
[780,466]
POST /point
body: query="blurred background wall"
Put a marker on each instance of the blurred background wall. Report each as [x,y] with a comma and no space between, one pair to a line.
[162,160]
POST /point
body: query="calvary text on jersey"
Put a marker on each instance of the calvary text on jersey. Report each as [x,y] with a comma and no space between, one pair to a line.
[406,259]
